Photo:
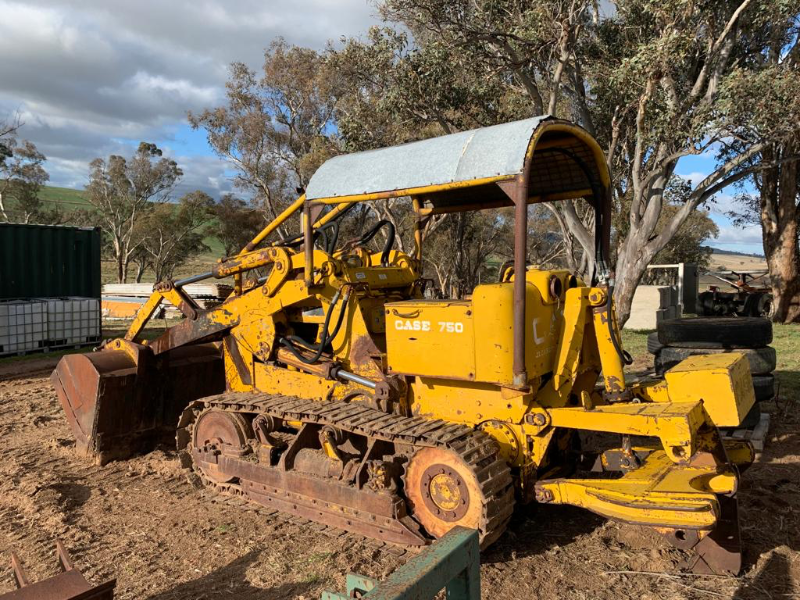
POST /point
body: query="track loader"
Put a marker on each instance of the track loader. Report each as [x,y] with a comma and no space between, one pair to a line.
[333,389]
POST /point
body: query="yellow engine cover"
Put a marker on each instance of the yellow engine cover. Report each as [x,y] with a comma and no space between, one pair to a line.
[473,340]
[722,381]
[431,337]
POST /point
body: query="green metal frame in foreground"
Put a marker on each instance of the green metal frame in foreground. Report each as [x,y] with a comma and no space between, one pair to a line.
[452,562]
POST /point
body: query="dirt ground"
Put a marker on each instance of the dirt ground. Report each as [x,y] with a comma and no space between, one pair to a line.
[141,522]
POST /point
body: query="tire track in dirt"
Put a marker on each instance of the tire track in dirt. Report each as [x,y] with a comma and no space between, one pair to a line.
[124,519]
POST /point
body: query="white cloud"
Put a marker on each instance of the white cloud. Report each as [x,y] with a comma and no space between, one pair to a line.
[741,239]
[724,204]
[154,91]
[694,177]
[88,73]
[729,235]
[205,173]
[68,173]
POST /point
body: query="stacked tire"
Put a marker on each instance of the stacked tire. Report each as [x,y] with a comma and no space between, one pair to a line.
[678,339]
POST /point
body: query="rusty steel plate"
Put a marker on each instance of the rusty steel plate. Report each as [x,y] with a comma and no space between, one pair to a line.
[118,405]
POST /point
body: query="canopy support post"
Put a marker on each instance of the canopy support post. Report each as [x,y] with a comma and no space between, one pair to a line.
[520,197]
[308,243]
[419,225]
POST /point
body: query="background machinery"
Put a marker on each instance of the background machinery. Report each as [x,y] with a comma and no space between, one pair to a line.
[330,388]
[69,584]
[751,295]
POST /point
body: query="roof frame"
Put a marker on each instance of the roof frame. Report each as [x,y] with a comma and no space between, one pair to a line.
[542,159]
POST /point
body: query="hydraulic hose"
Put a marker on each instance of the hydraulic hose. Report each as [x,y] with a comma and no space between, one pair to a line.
[297,240]
[323,235]
[289,341]
[387,247]
[291,348]
[330,245]
[340,320]
[328,338]
[310,361]
[627,359]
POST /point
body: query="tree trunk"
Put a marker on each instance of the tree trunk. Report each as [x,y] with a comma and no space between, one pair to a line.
[458,263]
[778,204]
[626,282]
[632,260]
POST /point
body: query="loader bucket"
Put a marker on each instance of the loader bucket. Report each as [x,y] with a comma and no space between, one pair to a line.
[119,402]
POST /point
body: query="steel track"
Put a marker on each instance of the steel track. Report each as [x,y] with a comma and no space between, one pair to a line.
[477,449]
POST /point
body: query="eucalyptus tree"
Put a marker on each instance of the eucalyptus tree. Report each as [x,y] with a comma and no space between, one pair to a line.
[761,108]
[22,175]
[648,79]
[122,192]
[275,126]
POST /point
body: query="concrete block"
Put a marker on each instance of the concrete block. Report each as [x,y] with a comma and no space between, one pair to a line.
[665,314]
[647,300]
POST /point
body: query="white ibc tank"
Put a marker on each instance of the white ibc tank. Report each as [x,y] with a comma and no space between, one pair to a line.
[72,320]
[23,325]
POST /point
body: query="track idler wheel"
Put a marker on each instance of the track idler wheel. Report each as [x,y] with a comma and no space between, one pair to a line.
[443,491]
[224,433]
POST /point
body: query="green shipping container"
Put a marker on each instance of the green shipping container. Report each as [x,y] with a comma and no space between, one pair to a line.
[44,261]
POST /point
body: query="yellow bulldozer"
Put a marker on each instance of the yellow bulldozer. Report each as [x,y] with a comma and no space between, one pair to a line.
[328,385]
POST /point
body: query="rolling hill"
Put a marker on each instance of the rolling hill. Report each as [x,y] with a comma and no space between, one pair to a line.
[65,198]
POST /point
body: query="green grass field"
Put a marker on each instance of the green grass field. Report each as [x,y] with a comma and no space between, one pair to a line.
[65,198]
[635,342]
[786,341]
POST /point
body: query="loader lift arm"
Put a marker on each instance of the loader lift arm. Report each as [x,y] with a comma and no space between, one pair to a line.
[248,259]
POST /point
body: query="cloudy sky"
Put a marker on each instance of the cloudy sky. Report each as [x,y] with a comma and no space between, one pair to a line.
[736,239]
[90,78]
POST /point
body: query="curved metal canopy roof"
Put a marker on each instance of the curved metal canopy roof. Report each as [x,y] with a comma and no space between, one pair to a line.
[491,152]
